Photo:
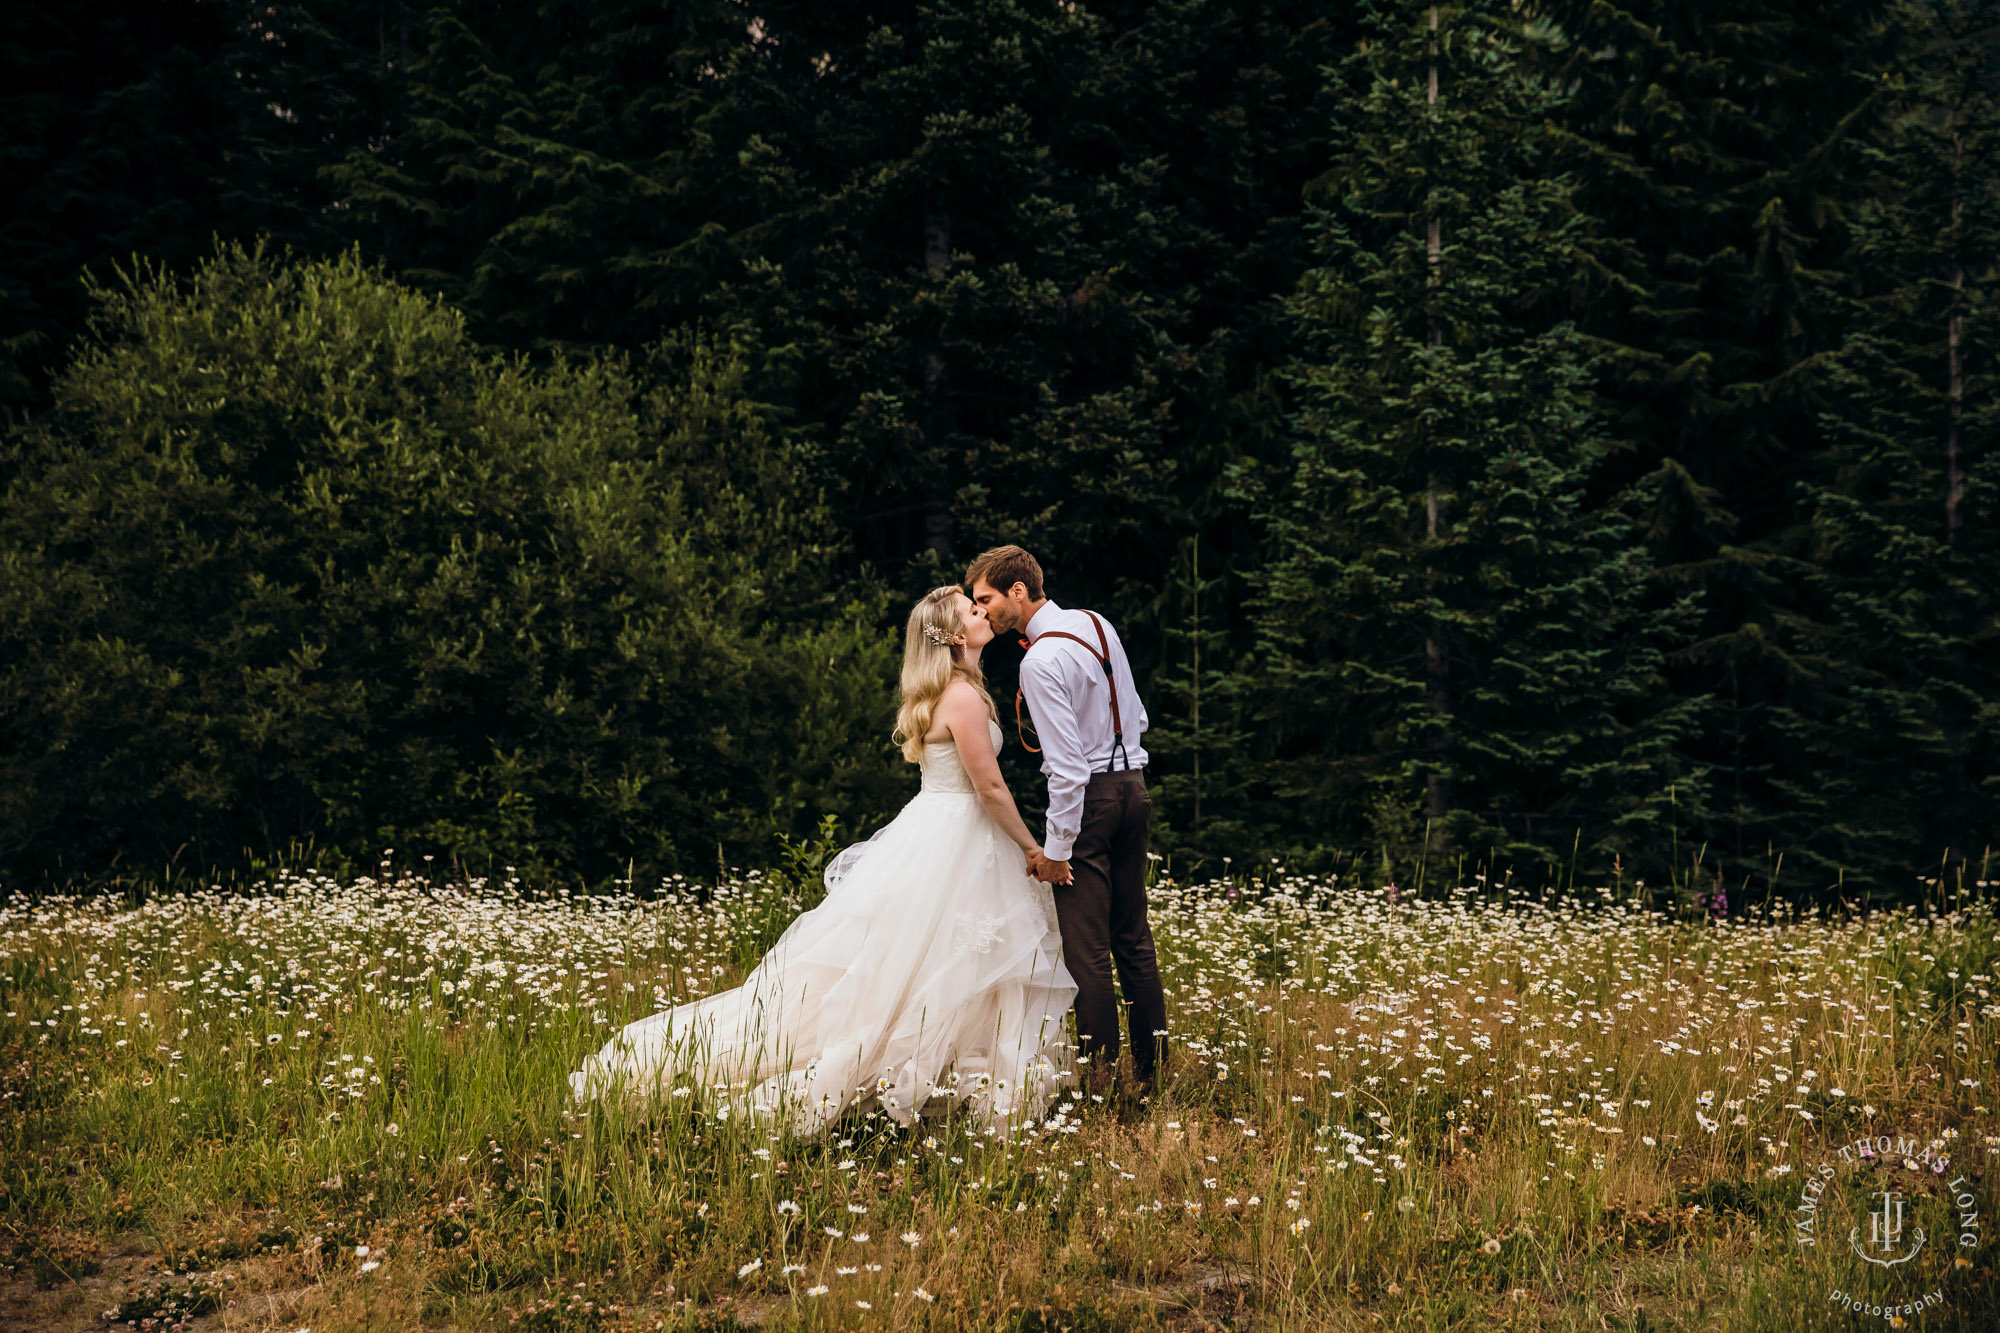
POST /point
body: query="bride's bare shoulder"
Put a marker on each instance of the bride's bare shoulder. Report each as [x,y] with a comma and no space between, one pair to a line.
[960,700]
[953,707]
[960,693]
[956,708]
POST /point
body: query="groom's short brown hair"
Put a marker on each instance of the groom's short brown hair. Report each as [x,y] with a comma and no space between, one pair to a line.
[1003,567]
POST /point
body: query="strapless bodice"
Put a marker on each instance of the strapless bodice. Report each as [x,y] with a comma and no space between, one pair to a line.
[944,771]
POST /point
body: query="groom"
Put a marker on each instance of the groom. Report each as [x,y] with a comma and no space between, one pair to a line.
[1087,714]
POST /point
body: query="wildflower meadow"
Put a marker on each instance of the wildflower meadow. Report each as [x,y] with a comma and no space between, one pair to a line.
[336,1105]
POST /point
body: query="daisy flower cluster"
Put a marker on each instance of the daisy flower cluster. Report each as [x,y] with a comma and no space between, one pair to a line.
[1362,1082]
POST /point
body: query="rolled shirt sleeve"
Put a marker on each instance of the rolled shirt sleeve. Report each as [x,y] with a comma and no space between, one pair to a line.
[1063,758]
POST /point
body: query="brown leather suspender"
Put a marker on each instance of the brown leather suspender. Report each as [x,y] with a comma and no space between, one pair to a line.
[1103,655]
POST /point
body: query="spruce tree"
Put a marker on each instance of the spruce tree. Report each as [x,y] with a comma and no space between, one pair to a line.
[1892,725]
[1723,148]
[1457,632]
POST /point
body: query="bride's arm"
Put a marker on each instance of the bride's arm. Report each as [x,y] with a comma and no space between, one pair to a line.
[964,712]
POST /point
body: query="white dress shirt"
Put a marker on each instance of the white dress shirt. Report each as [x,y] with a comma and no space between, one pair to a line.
[1068,696]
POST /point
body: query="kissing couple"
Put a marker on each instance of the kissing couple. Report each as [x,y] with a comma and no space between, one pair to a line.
[940,965]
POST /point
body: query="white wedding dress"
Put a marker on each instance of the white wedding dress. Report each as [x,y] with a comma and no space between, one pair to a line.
[932,969]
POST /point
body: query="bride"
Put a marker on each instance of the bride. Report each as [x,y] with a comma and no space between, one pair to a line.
[931,969]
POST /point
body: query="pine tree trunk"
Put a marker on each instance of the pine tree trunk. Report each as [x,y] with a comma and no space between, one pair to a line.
[1954,475]
[1953,718]
[1437,647]
[1194,721]
[937,395]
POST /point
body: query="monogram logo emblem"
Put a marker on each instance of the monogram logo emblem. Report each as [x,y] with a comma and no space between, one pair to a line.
[1885,1233]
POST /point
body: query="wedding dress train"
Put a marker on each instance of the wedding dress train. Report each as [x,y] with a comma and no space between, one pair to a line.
[931,969]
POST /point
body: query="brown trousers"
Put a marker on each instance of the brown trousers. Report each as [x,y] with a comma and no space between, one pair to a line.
[1102,913]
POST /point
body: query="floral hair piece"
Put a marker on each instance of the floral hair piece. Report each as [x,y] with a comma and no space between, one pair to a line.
[941,638]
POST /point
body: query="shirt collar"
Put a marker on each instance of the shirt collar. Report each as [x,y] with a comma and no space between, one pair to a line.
[1046,618]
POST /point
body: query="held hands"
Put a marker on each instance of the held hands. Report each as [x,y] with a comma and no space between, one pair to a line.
[1045,870]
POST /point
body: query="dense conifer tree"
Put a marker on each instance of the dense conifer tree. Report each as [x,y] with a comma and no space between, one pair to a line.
[1722,147]
[1457,630]
[1892,722]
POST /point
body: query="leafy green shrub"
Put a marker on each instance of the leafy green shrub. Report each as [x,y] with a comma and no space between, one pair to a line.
[295,568]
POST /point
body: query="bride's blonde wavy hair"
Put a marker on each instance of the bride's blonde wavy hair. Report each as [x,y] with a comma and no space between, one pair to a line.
[930,665]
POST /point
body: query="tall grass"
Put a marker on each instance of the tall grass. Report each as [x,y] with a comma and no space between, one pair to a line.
[345,1105]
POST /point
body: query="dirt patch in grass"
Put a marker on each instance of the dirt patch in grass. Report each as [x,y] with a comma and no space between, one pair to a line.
[131,1280]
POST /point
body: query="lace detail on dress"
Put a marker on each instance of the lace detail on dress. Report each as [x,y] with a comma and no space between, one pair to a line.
[944,771]
[975,933]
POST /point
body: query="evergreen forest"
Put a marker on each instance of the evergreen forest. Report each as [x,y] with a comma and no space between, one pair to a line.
[1551,437]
